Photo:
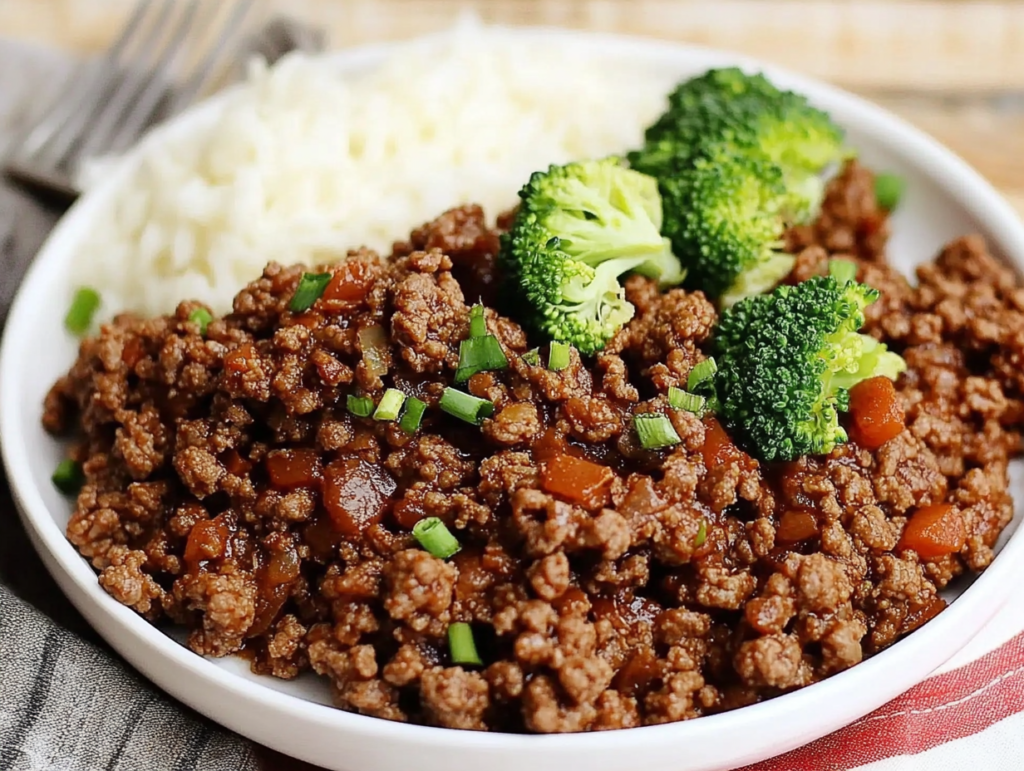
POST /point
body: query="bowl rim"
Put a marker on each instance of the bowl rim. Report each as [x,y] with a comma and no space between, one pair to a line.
[960,621]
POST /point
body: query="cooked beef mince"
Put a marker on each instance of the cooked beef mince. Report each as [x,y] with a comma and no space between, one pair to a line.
[229,489]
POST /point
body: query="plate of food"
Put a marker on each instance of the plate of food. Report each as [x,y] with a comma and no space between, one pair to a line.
[526,398]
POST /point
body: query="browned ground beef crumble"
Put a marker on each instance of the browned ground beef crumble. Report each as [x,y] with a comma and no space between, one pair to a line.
[586,619]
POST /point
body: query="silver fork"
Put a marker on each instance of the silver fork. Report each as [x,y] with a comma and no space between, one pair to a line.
[103,108]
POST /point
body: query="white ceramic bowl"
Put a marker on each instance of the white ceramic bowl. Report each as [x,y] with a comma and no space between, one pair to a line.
[944,199]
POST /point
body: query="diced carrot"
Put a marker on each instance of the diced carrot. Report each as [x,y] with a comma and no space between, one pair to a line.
[876,413]
[796,525]
[934,531]
[241,359]
[234,462]
[407,513]
[208,540]
[291,469]
[132,352]
[719,449]
[351,282]
[356,494]
[577,480]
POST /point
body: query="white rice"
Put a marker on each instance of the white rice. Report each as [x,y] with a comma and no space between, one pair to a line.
[305,163]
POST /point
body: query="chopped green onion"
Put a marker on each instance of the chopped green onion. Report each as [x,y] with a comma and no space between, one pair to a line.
[461,644]
[532,357]
[68,477]
[842,271]
[360,406]
[558,356]
[413,415]
[390,405]
[678,399]
[713,405]
[435,537]
[655,431]
[83,308]
[702,534]
[202,317]
[311,286]
[465,406]
[703,371]
[477,322]
[479,354]
[889,190]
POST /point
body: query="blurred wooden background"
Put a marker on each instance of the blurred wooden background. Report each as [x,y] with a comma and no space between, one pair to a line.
[953,67]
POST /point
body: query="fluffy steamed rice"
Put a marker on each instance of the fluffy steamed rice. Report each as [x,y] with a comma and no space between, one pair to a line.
[305,162]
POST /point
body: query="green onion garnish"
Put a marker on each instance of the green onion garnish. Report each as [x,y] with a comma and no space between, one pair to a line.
[889,190]
[435,537]
[390,405]
[413,415]
[202,317]
[465,406]
[479,354]
[477,322]
[461,644]
[703,371]
[532,357]
[83,307]
[702,534]
[842,271]
[68,477]
[311,286]
[360,406]
[655,431]
[558,356]
[678,399]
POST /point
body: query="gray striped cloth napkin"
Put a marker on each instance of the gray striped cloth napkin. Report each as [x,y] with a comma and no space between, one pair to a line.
[67,704]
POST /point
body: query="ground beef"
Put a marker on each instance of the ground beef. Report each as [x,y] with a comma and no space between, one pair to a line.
[230,490]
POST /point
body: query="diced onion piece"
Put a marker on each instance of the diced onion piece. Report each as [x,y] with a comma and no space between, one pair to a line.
[373,342]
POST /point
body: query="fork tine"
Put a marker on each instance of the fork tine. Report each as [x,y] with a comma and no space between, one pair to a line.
[131,75]
[208,65]
[125,118]
[75,96]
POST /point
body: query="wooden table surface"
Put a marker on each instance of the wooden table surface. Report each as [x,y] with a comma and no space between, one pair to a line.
[954,68]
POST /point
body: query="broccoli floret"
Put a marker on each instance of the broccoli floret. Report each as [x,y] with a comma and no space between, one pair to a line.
[770,144]
[749,115]
[786,361]
[730,215]
[579,228]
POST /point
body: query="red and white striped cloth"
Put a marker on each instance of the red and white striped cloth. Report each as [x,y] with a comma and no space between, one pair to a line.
[968,716]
